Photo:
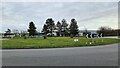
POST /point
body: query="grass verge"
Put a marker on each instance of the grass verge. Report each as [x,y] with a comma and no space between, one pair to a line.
[54,42]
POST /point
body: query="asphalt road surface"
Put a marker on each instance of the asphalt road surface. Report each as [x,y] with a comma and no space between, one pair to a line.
[106,55]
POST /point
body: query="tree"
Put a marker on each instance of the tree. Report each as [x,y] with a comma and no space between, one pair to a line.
[64,27]
[51,25]
[107,31]
[59,28]
[45,30]
[32,29]
[73,27]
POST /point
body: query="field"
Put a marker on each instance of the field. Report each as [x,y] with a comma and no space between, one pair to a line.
[54,42]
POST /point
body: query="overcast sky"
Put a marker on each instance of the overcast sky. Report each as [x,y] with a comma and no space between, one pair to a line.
[92,15]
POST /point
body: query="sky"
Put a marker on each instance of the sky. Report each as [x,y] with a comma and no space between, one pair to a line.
[90,15]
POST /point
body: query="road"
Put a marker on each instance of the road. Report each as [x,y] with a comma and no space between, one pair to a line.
[106,55]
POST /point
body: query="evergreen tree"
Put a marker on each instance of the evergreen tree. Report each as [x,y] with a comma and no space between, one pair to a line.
[32,29]
[64,26]
[59,28]
[45,30]
[73,27]
[51,25]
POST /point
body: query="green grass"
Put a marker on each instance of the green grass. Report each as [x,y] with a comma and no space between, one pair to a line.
[53,42]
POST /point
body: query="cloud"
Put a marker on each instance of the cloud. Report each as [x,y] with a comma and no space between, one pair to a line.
[59,0]
[19,14]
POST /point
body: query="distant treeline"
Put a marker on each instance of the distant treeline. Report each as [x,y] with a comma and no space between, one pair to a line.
[107,31]
[62,28]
